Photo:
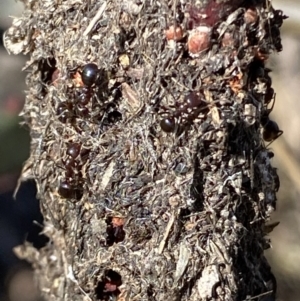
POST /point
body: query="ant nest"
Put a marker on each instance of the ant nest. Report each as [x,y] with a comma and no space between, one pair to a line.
[147,151]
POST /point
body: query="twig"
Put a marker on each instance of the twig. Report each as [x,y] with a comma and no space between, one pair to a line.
[95,19]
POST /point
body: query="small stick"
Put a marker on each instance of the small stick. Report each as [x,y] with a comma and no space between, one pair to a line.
[169,226]
[95,19]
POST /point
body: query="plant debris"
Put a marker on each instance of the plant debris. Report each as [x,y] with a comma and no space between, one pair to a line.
[146,120]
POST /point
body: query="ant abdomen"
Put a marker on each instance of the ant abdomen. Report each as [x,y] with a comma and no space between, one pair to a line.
[271,130]
[69,190]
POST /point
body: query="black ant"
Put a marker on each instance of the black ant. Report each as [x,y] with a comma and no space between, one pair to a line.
[188,111]
[271,129]
[270,94]
[71,186]
[89,76]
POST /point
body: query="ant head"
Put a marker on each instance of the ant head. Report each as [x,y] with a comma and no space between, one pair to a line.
[168,124]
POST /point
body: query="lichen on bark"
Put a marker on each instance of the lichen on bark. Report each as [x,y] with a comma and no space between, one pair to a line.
[152,173]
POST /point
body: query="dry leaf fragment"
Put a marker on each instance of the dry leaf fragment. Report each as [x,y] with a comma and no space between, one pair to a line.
[131,97]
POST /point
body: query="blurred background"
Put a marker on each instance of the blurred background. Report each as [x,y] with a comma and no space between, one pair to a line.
[17,216]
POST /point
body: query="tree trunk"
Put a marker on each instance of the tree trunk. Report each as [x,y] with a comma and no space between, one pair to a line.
[147,122]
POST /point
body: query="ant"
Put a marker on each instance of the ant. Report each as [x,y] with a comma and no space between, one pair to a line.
[89,76]
[271,129]
[270,94]
[188,110]
[71,187]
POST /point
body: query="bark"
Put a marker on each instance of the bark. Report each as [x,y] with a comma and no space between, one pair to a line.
[152,173]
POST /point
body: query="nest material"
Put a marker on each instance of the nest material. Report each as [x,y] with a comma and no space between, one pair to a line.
[166,199]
